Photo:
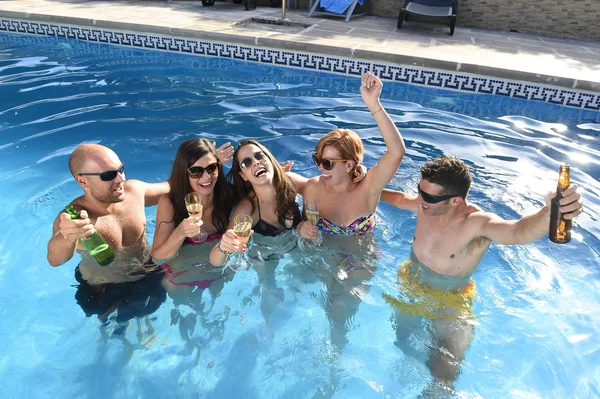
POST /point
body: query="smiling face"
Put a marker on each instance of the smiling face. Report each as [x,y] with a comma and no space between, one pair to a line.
[205,184]
[253,170]
[103,160]
[340,171]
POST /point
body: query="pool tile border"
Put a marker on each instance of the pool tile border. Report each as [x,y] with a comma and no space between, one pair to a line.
[440,79]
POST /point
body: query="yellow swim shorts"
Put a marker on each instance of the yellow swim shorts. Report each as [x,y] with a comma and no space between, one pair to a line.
[426,301]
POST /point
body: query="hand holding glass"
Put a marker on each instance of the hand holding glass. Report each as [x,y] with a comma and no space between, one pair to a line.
[193,203]
[242,226]
[311,208]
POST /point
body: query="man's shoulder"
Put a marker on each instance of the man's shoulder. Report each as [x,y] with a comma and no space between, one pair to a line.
[474,214]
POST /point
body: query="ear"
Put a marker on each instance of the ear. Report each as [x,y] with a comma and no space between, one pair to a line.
[456,201]
[350,165]
[244,178]
[82,182]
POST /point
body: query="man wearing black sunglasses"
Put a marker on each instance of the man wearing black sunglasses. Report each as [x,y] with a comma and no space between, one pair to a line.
[450,240]
[115,207]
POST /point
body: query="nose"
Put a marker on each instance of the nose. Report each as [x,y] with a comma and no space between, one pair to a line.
[120,176]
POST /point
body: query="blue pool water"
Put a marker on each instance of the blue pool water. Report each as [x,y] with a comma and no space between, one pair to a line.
[271,332]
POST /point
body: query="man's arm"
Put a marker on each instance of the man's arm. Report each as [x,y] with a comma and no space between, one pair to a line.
[532,227]
[65,236]
[400,200]
[151,191]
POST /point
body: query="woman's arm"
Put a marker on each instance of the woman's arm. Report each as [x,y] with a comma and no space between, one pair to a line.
[168,238]
[386,168]
[230,243]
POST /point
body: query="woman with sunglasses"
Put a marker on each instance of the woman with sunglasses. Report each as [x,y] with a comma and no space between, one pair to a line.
[196,168]
[347,207]
[268,196]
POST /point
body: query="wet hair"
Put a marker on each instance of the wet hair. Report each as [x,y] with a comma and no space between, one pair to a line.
[287,207]
[449,172]
[347,142]
[188,153]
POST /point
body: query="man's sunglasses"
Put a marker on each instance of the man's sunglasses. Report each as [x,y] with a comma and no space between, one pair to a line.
[328,164]
[196,172]
[247,162]
[109,175]
[433,199]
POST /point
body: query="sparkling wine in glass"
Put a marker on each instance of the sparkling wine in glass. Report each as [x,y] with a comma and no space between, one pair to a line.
[193,204]
[242,226]
[311,209]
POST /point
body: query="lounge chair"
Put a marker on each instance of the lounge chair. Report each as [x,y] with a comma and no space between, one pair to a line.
[430,8]
[342,8]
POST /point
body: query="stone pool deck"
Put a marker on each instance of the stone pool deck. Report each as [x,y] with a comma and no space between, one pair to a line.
[558,62]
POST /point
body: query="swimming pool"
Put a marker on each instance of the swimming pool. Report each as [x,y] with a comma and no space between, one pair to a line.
[537,306]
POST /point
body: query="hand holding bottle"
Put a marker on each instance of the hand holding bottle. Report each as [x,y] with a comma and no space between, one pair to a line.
[74,229]
[95,244]
[571,203]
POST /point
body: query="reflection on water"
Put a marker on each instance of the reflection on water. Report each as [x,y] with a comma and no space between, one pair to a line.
[302,321]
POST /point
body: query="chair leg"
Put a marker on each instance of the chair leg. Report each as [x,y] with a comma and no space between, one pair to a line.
[452,23]
[314,7]
[350,10]
[401,17]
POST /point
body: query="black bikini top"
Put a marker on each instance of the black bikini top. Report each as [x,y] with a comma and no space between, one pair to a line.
[267,229]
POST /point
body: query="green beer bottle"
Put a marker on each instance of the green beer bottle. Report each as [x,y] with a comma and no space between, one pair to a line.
[95,244]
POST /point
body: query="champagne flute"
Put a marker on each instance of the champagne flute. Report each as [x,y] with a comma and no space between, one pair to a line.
[311,209]
[193,204]
[242,225]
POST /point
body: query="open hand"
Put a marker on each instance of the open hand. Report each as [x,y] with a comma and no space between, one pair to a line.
[224,152]
[287,166]
[571,203]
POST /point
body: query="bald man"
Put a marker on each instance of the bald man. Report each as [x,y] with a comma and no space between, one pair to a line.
[115,207]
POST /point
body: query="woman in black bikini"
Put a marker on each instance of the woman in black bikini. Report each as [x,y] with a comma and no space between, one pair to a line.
[268,196]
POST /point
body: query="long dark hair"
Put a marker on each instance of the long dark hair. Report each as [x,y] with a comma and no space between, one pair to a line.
[287,207]
[188,153]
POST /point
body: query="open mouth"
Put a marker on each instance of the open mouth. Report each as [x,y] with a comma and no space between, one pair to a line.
[208,184]
[119,190]
[261,171]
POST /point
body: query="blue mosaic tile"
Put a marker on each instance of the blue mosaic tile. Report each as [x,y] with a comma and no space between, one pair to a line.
[316,62]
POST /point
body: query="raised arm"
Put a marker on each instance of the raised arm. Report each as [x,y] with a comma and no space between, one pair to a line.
[400,200]
[532,227]
[65,236]
[386,168]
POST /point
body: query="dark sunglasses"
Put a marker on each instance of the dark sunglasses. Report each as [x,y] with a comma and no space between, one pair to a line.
[328,164]
[434,199]
[196,172]
[247,162]
[109,175]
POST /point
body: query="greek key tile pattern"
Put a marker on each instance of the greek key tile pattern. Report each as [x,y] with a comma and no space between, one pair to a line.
[456,81]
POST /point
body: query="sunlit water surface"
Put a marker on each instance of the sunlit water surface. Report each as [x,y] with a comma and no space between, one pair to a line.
[266,333]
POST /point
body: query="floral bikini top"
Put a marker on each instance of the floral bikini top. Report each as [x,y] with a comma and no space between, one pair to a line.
[359,227]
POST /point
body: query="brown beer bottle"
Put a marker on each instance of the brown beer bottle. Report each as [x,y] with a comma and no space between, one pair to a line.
[560,228]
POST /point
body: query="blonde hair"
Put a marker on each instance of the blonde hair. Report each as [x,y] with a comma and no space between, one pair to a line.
[347,142]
